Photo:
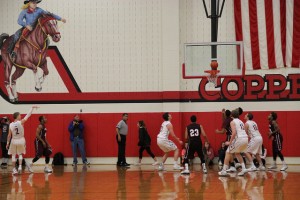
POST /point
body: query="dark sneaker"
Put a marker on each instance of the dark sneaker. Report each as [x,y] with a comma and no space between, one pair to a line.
[3,165]
[125,165]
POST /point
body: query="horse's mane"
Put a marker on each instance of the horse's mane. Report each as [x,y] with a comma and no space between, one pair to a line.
[34,24]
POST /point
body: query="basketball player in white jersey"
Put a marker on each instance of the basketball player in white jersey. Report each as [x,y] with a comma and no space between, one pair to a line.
[237,144]
[167,145]
[255,143]
[17,144]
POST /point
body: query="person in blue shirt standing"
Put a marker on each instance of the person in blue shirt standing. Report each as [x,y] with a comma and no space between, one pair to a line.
[27,18]
[76,136]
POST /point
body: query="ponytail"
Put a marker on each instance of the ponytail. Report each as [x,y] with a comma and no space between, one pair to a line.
[25,6]
[142,124]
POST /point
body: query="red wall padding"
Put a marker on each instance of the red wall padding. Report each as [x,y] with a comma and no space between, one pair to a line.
[100,133]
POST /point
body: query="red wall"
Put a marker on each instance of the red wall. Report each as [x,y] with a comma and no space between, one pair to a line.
[100,131]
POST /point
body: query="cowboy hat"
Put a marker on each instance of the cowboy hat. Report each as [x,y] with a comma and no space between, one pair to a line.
[35,1]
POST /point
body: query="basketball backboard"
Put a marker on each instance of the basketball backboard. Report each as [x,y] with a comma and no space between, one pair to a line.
[197,59]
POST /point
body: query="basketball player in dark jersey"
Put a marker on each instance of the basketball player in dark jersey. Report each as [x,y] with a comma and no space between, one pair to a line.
[194,144]
[226,125]
[226,114]
[42,147]
[276,141]
[226,128]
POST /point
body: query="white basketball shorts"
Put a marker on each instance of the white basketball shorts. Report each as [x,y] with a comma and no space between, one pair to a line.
[238,145]
[166,145]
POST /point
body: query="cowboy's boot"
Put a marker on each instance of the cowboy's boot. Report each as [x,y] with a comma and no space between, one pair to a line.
[10,50]
[13,54]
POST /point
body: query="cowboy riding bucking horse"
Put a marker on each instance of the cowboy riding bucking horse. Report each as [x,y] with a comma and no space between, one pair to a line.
[27,47]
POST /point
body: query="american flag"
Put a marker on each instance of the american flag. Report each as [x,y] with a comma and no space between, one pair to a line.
[270,31]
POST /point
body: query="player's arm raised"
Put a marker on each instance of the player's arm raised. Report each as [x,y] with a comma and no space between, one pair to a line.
[37,134]
[203,133]
[170,129]
[223,114]
[223,130]
[8,139]
[28,114]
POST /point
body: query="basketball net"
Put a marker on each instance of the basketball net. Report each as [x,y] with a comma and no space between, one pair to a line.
[212,77]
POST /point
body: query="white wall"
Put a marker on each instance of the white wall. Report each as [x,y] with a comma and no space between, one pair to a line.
[111,46]
[127,46]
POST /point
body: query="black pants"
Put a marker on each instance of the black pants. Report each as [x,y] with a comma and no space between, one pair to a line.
[148,151]
[276,148]
[4,150]
[121,149]
[222,154]
[190,151]
[40,151]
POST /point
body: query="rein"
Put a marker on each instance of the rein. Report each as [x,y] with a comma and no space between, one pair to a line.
[40,50]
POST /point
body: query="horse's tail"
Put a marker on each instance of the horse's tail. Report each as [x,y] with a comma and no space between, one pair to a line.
[3,37]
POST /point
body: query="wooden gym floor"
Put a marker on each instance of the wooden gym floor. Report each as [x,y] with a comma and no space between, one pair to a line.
[144,182]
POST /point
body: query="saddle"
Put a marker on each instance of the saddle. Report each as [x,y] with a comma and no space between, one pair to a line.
[16,43]
[25,33]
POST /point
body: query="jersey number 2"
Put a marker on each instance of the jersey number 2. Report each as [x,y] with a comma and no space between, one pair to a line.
[17,131]
[194,132]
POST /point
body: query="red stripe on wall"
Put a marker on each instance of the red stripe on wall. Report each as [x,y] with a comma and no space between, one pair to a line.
[238,27]
[254,35]
[62,72]
[296,35]
[283,29]
[100,141]
[270,33]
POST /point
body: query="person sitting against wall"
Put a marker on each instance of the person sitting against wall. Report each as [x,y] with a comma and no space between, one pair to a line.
[222,152]
[76,137]
[208,154]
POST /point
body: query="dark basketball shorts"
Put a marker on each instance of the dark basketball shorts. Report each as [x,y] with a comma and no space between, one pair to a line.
[41,150]
[192,148]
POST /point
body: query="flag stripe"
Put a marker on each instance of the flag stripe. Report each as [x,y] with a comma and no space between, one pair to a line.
[270,33]
[278,56]
[283,29]
[289,31]
[262,34]
[254,34]
[246,34]
[296,35]
[238,27]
